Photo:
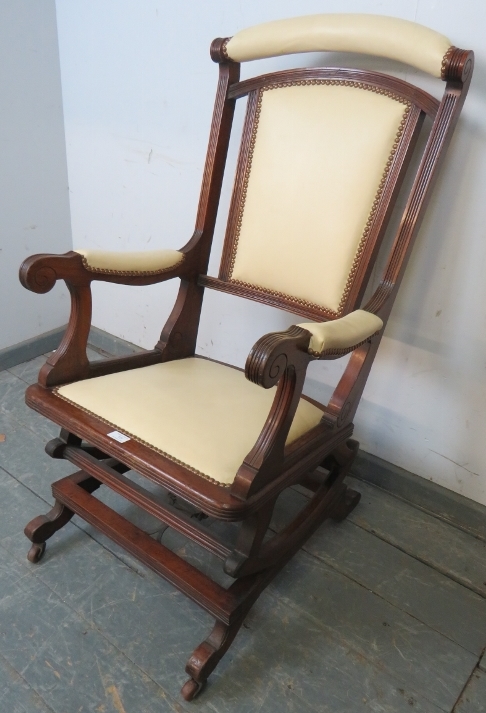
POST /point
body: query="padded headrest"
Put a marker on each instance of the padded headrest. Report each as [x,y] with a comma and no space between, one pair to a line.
[378,35]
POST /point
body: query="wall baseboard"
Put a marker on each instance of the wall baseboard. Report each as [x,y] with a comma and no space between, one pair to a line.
[108,343]
[31,348]
[444,504]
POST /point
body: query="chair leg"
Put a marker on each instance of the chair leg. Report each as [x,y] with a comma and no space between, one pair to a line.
[42,527]
[207,655]
[204,659]
[346,505]
[332,499]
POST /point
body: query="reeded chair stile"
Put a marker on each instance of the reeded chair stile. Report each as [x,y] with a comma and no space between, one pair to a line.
[323,154]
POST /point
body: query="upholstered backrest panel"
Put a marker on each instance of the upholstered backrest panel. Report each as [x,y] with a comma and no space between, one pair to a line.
[320,152]
[377,35]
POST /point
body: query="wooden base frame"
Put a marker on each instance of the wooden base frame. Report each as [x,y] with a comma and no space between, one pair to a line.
[253,563]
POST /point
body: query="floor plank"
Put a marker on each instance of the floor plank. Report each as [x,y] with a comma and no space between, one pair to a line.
[432,541]
[16,696]
[473,699]
[68,663]
[404,647]
[412,586]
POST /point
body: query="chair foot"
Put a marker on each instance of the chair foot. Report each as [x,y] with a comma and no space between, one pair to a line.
[207,655]
[42,527]
[36,553]
[346,505]
[191,689]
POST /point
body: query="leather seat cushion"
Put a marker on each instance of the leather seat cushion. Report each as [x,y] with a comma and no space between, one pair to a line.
[202,414]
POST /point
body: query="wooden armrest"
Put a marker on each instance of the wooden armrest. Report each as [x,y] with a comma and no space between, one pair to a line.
[39,273]
[282,358]
[343,335]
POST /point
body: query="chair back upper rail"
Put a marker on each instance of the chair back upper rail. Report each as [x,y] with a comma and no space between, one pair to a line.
[376,35]
[425,101]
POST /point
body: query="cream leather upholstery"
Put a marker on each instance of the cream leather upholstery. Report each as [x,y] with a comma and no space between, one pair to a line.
[200,413]
[148,261]
[368,34]
[320,153]
[342,333]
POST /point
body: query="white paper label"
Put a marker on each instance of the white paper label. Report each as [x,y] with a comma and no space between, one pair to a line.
[120,437]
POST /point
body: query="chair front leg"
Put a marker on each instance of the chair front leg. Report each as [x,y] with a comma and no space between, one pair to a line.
[278,358]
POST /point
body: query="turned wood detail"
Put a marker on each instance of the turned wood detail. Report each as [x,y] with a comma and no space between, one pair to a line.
[218,51]
[457,65]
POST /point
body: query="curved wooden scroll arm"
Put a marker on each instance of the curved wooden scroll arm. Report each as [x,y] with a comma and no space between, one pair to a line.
[69,362]
[282,358]
[278,358]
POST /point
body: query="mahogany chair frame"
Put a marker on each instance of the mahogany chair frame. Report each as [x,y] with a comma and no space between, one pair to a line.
[279,358]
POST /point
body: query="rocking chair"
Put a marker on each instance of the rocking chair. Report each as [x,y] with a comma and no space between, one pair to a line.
[324,153]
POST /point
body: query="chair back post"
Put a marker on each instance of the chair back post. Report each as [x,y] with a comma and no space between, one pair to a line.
[179,335]
[457,68]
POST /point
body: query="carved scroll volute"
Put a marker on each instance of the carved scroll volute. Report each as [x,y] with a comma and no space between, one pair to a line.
[40,273]
[218,50]
[279,358]
[457,65]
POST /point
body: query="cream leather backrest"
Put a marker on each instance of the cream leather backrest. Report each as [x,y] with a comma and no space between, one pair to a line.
[320,153]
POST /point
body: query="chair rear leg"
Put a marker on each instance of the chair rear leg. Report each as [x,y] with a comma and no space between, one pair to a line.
[346,505]
[339,464]
[42,527]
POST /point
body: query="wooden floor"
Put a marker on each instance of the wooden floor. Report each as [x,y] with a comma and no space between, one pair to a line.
[385,612]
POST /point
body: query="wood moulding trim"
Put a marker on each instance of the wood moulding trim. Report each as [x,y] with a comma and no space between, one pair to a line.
[256,294]
[109,475]
[425,101]
[31,348]
[430,497]
[391,184]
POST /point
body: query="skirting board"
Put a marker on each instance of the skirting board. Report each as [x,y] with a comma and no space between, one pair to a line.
[430,497]
[108,343]
[31,348]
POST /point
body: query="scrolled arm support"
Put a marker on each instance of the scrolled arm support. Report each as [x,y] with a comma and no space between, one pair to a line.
[274,353]
[39,273]
[281,359]
[69,362]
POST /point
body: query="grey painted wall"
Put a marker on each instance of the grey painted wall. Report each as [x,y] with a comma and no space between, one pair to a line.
[34,201]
